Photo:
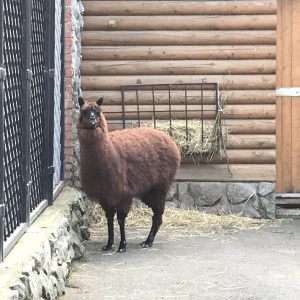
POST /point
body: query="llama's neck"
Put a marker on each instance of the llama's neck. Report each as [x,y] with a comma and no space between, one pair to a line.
[96,148]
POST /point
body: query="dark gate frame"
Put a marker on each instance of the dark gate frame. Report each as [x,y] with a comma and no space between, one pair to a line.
[27,215]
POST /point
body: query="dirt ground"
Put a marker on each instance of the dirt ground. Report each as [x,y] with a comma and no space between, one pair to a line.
[242,264]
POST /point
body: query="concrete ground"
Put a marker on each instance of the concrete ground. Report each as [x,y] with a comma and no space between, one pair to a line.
[244,264]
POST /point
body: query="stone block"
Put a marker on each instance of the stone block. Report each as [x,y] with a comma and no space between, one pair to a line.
[265,188]
[207,193]
[238,192]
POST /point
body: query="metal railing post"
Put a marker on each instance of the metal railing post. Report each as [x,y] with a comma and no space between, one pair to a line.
[49,101]
[2,78]
[62,89]
[26,114]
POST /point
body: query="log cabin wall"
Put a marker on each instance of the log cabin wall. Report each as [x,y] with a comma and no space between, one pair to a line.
[230,42]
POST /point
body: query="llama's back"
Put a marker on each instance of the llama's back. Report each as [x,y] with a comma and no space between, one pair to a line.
[152,157]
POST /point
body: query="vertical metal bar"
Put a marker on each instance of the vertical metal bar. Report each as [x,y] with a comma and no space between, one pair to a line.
[154,115]
[137,104]
[49,100]
[26,115]
[170,112]
[186,115]
[123,106]
[218,107]
[202,114]
[2,78]
[62,92]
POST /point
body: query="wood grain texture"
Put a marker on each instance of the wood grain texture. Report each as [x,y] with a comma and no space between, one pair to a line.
[210,52]
[219,172]
[154,8]
[230,82]
[205,22]
[183,37]
[182,67]
[233,126]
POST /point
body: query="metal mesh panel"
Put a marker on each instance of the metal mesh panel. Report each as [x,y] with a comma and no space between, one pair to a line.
[57,95]
[12,115]
[38,101]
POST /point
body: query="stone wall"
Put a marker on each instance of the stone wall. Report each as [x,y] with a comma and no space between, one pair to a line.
[253,199]
[39,264]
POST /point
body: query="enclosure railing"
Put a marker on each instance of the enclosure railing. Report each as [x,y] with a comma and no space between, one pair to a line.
[27,69]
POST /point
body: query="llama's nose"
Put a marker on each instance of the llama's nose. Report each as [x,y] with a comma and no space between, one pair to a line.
[93,118]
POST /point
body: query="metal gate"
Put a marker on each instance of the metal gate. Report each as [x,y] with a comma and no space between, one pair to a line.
[27,61]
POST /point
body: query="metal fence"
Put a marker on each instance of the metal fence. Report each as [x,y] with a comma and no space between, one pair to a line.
[149,104]
[27,103]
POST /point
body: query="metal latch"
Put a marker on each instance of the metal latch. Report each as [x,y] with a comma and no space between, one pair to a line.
[29,74]
[51,73]
[2,210]
[2,74]
[51,170]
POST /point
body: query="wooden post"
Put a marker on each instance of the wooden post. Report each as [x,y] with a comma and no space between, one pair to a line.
[288,98]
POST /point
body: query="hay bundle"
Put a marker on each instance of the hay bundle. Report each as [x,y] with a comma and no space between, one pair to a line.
[194,137]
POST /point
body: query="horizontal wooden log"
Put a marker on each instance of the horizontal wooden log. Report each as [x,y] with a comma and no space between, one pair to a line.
[239,172]
[178,97]
[264,156]
[230,82]
[207,22]
[233,126]
[185,37]
[178,52]
[182,112]
[183,67]
[251,141]
[107,8]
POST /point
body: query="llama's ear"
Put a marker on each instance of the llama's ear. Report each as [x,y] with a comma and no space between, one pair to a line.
[80,101]
[99,101]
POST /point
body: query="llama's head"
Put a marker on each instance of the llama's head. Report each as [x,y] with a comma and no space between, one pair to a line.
[90,116]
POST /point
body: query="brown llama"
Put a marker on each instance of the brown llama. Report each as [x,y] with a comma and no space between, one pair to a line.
[117,166]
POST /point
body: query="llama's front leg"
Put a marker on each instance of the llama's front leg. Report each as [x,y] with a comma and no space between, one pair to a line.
[110,214]
[121,220]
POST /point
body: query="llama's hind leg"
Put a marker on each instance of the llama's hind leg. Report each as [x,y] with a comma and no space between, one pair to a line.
[155,199]
[110,214]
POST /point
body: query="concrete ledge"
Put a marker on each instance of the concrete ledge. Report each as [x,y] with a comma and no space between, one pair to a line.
[38,265]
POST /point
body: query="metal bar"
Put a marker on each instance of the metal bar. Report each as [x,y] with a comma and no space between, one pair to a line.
[2,207]
[49,101]
[137,104]
[62,89]
[202,129]
[186,116]
[26,115]
[288,92]
[170,112]
[153,100]
[123,106]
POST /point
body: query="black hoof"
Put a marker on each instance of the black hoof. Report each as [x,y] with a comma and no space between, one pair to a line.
[146,244]
[106,248]
[122,250]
